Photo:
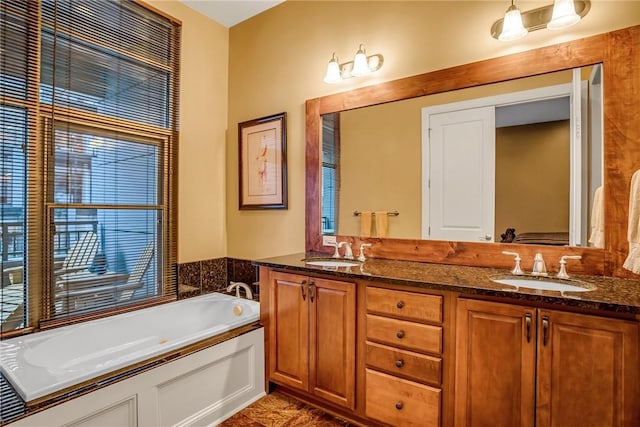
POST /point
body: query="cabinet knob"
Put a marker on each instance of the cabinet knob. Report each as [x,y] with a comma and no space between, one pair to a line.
[400,304]
[399,363]
[400,334]
[399,405]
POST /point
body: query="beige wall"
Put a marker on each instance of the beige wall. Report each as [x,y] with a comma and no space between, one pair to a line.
[277,61]
[532,178]
[203,124]
[380,167]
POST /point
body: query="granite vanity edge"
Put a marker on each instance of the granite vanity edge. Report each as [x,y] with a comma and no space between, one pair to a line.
[295,262]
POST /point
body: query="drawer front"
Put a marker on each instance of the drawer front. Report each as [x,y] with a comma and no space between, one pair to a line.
[426,369]
[409,305]
[401,333]
[400,402]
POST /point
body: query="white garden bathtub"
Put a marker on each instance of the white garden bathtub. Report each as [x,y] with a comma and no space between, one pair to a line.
[43,363]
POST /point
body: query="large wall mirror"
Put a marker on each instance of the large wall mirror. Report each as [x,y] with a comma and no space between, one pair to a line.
[559,119]
[466,165]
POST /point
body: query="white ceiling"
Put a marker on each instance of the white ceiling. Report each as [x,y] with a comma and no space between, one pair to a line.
[230,12]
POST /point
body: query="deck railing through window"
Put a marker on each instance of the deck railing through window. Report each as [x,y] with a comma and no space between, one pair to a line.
[12,237]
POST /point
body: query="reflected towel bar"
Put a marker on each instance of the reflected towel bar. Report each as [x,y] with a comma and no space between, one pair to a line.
[394,213]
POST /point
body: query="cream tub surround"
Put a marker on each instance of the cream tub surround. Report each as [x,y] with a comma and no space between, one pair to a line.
[203,388]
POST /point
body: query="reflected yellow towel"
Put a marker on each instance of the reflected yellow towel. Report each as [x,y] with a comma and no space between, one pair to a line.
[365,224]
[597,219]
[632,263]
[382,223]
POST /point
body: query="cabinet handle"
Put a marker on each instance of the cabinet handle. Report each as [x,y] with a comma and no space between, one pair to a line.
[527,321]
[302,286]
[399,363]
[400,304]
[545,329]
[400,334]
[399,405]
[311,291]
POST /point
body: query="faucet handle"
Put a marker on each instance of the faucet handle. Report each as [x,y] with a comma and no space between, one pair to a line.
[562,273]
[361,257]
[516,268]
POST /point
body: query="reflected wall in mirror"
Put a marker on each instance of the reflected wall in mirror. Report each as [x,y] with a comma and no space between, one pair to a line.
[618,52]
[428,159]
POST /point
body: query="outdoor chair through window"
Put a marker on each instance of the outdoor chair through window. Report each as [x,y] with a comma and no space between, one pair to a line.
[90,290]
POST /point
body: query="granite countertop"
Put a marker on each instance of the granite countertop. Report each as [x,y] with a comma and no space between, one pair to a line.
[610,293]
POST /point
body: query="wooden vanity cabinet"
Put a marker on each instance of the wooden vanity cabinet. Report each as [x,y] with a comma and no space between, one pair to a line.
[588,371]
[517,365]
[312,336]
[495,364]
[404,348]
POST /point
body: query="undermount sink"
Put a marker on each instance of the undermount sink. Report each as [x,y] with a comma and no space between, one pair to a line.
[335,262]
[543,283]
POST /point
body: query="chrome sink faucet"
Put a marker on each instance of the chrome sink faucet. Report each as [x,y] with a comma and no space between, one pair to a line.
[348,253]
[539,267]
[237,286]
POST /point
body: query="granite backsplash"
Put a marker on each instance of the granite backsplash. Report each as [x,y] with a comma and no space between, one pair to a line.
[213,275]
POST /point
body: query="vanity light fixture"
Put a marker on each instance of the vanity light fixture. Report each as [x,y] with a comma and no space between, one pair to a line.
[560,14]
[360,66]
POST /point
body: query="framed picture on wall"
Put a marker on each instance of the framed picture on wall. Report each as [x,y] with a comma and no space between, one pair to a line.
[263,163]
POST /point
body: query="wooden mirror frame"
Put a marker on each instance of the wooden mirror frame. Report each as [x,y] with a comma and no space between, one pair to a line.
[618,51]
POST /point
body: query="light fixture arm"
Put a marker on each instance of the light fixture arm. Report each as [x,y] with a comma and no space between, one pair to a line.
[537,19]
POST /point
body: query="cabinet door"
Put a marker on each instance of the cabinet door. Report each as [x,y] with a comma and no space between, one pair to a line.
[333,340]
[587,371]
[495,363]
[288,335]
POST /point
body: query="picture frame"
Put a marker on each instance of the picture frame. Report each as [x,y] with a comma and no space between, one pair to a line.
[262,156]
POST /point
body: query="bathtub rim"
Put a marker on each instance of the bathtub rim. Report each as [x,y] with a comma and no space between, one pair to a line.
[121,374]
[118,374]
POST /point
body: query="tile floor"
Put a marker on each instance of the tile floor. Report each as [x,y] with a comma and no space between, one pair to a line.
[278,410]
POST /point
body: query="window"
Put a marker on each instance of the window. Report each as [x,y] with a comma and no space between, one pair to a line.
[96,120]
[330,172]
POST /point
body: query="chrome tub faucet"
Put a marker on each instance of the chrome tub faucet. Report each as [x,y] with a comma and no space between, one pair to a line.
[237,286]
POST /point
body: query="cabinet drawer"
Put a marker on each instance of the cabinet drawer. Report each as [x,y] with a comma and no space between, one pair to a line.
[401,333]
[401,402]
[407,363]
[409,305]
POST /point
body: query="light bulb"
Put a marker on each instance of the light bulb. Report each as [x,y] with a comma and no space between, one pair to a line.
[512,28]
[333,71]
[564,15]
[360,65]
